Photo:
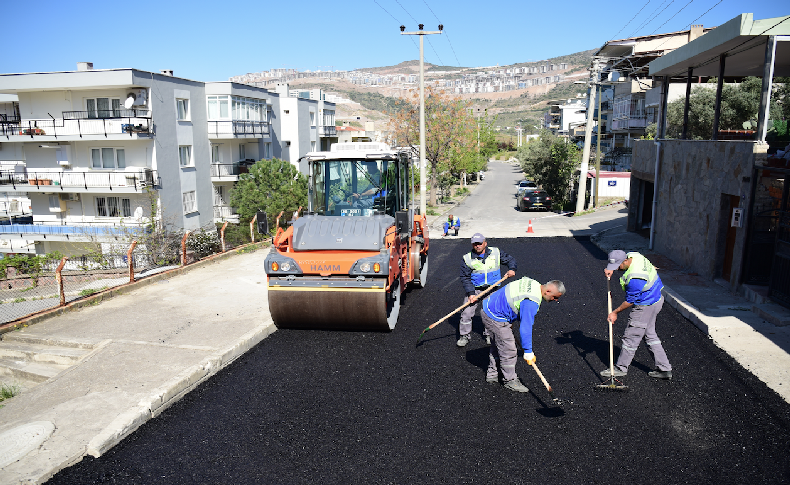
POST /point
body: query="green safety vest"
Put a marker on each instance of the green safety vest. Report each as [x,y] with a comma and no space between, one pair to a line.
[518,290]
[640,268]
[484,272]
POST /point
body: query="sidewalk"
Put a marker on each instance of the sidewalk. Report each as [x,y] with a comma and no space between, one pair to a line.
[736,325]
[150,347]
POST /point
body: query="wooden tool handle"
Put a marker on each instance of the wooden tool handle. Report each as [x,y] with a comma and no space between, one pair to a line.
[466,304]
[540,374]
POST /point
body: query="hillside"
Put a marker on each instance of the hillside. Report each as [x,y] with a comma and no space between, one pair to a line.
[523,107]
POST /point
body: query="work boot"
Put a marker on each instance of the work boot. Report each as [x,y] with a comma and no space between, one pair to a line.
[488,340]
[492,380]
[617,373]
[661,374]
[463,341]
[516,385]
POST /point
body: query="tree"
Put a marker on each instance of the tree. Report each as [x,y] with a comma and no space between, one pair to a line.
[551,161]
[739,104]
[270,185]
[450,133]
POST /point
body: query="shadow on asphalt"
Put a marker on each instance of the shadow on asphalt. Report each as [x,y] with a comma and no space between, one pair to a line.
[585,345]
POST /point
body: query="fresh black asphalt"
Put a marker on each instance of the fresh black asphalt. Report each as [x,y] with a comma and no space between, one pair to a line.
[307,407]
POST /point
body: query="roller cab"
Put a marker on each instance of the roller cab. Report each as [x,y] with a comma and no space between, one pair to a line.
[345,263]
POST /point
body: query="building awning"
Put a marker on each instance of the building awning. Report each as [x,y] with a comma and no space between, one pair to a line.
[741,39]
[609,175]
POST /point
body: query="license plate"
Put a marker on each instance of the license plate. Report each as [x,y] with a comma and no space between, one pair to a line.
[537,203]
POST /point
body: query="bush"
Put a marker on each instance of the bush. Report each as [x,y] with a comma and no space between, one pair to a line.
[29,264]
[203,242]
[239,234]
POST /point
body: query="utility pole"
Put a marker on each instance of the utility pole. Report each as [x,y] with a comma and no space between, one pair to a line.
[587,138]
[598,150]
[422,33]
[519,130]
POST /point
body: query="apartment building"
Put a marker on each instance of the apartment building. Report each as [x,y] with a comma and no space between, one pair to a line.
[95,154]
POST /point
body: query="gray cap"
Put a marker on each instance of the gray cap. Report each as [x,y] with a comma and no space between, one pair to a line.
[478,238]
[616,258]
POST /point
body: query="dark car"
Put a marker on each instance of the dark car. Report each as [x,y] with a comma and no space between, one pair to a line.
[533,199]
[525,184]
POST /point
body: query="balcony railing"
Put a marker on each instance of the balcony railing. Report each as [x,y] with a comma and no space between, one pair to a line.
[226,170]
[9,118]
[49,181]
[327,130]
[237,128]
[224,212]
[106,114]
[78,127]
[70,230]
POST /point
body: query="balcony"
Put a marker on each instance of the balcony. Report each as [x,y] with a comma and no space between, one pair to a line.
[237,129]
[71,232]
[223,213]
[89,181]
[75,125]
[327,131]
[635,122]
[227,172]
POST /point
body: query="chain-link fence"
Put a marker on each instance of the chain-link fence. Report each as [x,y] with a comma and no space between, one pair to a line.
[33,283]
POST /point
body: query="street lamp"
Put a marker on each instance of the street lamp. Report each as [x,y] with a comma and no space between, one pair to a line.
[421,33]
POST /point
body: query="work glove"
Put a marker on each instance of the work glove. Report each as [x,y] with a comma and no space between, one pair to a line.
[530,358]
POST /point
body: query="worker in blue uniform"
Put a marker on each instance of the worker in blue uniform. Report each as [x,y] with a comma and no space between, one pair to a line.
[479,270]
[453,223]
[518,301]
[642,287]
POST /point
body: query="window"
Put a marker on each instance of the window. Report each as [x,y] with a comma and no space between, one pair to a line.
[108,158]
[183,109]
[267,150]
[312,118]
[236,108]
[190,203]
[218,107]
[312,146]
[219,195]
[242,152]
[185,156]
[215,154]
[103,107]
[113,207]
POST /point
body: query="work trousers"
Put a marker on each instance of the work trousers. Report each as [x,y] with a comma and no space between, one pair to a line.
[465,328]
[642,324]
[447,227]
[503,347]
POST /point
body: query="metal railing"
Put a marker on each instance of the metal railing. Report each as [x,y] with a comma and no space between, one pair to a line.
[107,113]
[78,127]
[224,212]
[238,127]
[71,230]
[327,130]
[4,118]
[225,170]
[49,181]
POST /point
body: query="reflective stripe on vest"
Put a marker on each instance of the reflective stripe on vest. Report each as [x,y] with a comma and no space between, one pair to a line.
[484,273]
[517,291]
[640,268]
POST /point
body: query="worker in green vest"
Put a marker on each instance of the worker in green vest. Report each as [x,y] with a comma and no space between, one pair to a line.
[518,301]
[642,287]
[479,270]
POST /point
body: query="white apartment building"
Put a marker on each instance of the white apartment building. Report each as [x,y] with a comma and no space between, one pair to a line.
[97,153]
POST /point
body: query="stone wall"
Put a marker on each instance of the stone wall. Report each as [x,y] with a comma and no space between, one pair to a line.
[694,181]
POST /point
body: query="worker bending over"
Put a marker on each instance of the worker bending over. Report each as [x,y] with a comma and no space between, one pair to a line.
[453,223]
[479,270]
[517,301]
[642,287]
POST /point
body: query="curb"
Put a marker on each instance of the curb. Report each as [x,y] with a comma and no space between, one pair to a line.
[96,298]
[171,392]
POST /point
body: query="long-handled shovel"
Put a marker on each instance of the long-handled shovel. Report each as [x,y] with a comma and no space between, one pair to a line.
[611,386]
[554,398]
[460,308]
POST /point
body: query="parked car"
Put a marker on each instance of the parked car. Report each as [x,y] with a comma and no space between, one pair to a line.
[532,199]
[525,184]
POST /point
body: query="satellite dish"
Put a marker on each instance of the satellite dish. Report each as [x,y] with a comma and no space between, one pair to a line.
[129,101]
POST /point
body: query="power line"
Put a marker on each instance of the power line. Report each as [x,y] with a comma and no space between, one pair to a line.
[404,9]
[670,18]
[647,22]
[690,24]
[445,33]
[393,18]
[632,19]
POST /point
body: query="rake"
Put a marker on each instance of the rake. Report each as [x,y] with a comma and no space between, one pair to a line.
[611,385]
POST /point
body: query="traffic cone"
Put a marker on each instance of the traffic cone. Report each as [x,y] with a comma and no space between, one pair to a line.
[529,229]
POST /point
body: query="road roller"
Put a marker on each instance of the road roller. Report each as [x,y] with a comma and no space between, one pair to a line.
[345,263]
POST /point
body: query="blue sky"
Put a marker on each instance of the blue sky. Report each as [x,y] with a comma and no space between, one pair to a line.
[211,41]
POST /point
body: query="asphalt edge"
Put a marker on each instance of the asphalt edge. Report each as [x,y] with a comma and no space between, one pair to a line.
[171,392]
[97,298]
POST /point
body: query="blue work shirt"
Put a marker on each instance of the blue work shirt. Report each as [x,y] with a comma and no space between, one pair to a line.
[497,308]
[466,271]
[635,295]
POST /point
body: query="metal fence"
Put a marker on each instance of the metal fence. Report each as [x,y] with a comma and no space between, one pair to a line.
[26,288]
